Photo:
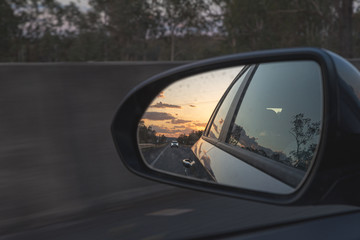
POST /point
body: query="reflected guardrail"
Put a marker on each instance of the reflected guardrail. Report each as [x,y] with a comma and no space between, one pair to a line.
[144,146]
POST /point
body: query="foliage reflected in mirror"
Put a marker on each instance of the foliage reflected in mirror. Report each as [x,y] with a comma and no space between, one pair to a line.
[305,133]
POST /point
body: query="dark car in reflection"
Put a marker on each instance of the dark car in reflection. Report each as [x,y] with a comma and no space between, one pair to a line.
[265,128]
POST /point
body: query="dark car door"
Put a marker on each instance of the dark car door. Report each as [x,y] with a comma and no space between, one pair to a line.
[268,118]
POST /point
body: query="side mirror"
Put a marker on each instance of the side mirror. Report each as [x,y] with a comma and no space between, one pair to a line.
[275,126]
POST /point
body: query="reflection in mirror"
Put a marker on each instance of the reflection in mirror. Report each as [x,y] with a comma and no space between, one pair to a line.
[177,117]
[264,125]
[280,119]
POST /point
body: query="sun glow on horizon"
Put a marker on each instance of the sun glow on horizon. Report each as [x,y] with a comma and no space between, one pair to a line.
[187,105]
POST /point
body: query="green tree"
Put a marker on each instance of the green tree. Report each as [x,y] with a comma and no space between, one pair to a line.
[147,135]
[180,18]
[266,24]
[191,138]
[39,25]
[9,32]
[304,130]
[162,139]
[126,26]
[345,10]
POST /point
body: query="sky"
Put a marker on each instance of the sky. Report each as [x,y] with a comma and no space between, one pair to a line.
[187,104]
[83,4]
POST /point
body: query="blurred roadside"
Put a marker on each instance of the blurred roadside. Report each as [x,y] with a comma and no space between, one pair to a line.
[57,155]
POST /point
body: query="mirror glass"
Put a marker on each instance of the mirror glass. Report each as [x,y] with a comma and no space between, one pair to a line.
[255,127]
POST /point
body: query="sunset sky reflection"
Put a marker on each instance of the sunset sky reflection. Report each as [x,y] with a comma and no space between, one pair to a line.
[187,105]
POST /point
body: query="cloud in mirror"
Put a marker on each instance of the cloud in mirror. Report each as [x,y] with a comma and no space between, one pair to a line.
[188,104]
[276,110]
[264,125]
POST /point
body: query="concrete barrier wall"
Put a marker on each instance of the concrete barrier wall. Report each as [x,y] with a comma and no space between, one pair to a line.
[57,155]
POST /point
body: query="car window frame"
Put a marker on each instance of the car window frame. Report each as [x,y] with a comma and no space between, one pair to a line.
[248,70]
[287,174]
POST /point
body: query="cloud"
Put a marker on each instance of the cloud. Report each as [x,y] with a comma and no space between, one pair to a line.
[157,116]
[200,124]
[173,131]
[192,105]
[161,95]
[188,130]
[164,105]
[178,121]
[161,129]
[83,5]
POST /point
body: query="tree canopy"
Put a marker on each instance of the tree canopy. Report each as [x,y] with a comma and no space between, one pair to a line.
[151,30]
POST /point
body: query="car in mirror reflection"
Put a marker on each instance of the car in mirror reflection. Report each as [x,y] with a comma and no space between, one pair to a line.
[174,144]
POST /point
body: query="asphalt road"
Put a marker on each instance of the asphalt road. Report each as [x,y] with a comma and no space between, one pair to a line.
[170,159]
[167,158]
[175,214]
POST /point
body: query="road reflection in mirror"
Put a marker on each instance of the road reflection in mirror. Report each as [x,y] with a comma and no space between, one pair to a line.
[177,117]
[261,132]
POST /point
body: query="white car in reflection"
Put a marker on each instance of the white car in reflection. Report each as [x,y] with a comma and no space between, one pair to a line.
[174,144]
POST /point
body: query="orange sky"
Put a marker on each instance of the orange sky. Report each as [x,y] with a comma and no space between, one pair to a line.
[188,104]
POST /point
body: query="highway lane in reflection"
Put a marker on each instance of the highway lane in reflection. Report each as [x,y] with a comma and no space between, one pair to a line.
[167,158]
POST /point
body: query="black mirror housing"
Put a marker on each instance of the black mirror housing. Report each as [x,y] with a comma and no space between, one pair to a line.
[336,168]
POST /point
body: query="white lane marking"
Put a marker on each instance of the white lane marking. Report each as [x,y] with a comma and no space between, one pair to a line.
[170,212]
[158,157]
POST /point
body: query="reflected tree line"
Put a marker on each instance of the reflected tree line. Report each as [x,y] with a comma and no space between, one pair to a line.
[148,135]
[190,139]
[305,133]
